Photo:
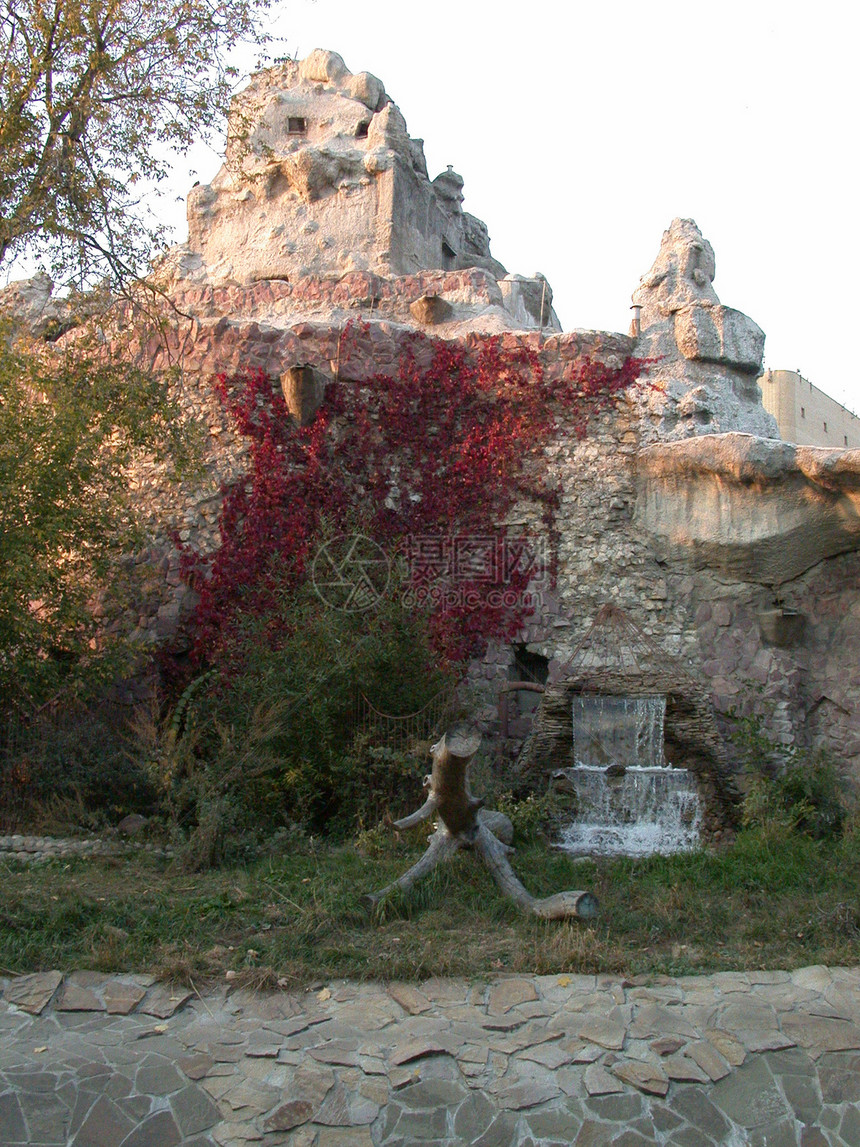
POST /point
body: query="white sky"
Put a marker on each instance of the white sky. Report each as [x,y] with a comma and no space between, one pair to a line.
[581,130]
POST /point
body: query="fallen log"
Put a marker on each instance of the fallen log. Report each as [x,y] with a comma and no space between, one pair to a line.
[463,822]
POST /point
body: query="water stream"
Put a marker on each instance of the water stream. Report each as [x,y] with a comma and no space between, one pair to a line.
[630,803]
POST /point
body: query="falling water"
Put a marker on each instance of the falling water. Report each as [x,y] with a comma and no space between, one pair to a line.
[630,803]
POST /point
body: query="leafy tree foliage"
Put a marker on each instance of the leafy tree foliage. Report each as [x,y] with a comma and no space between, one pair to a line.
[94,94]
[71,421]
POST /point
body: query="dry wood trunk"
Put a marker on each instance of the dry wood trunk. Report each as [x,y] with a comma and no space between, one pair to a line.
[462,822]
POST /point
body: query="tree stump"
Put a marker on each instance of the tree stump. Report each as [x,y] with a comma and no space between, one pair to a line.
[462,822]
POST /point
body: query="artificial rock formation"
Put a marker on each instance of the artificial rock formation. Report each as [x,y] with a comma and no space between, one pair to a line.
[762,510]
[709,355]
[323,179]
[318,251]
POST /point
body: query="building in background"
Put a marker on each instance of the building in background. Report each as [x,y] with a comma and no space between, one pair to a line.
[806,415]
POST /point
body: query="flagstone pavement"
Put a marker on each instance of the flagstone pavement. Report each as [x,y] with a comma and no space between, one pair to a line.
[769,1059]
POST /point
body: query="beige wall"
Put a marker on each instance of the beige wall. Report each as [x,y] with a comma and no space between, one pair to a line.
[806,415]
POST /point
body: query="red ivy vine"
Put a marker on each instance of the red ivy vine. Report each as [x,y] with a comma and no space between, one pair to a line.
[439,451]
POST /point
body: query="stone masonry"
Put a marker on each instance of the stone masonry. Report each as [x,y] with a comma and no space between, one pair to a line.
[736,553]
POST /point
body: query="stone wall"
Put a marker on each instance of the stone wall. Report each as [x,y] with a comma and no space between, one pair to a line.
[736,554]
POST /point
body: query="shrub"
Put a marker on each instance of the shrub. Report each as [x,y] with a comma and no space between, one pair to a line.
[789,789]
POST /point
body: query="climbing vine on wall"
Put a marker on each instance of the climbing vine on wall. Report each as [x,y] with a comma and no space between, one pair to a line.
[427,463]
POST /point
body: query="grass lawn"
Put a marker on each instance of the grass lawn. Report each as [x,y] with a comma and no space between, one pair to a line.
[296,919]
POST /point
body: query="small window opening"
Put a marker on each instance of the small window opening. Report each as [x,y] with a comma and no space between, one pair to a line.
[448,254]
[845,437]
[825,427]
[297,125]
[803,412]
[362,129]
[532,667]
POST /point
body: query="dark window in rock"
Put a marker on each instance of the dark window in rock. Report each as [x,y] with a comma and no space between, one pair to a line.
[362,129]
[825,427]
[845,438]
[448,254]
[297,125]
[803,412]
[532,667]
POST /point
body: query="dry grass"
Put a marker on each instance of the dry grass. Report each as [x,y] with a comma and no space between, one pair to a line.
[297,919]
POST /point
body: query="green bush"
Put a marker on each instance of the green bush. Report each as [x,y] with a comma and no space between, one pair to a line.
[73,772]
[789,788]
[274,739]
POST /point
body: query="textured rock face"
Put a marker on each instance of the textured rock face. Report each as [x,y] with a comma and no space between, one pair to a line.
[322,177]
[710,354]
[762,510]
[29,304]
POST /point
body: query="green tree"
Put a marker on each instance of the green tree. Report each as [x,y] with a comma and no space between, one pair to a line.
[95,94]
[72,420]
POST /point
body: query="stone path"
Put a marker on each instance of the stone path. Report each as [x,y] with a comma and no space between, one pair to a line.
[759,1058]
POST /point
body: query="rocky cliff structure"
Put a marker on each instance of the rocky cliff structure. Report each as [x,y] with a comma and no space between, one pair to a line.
[734,553]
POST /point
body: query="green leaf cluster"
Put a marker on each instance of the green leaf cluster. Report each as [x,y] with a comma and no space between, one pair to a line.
[73,419]
[94,96]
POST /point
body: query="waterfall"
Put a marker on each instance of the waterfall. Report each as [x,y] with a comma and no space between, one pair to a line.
[629,802]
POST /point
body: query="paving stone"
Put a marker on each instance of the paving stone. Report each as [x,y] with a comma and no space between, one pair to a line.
[74,997]
[255,1098]
[803,1097]
[32,994]
[290,1114]
[596,1029]
[667,1045]
[409,998]
[690,1137]
[839,1078]
[162,1002]
[416,1049]
[646,1076]
[730,1048]
[548,1055]
[506,994]
[664,1118]
[159,1130]
[708,1060]
[421,1126]
[159,1080]
[813,1137]
[432,1093]
[47,1118]
[561,1124]
[193,1110]
[336,1053]
[229,1134]
[816,978]
[818,1035]
[343,1137]
[683,1069]
[621,1108]
[500,1133]
[750,1096]
[652,1020]
[694,1105]
[122,997]
[105,1125]
[598,1081]
[593,1134]
[849,1128]
[12,1120]
[473,1116]
[521,1094]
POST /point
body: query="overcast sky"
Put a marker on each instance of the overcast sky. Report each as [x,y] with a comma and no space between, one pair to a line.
[581,130]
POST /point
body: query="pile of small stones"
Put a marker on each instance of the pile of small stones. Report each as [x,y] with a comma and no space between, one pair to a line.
[36,849]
